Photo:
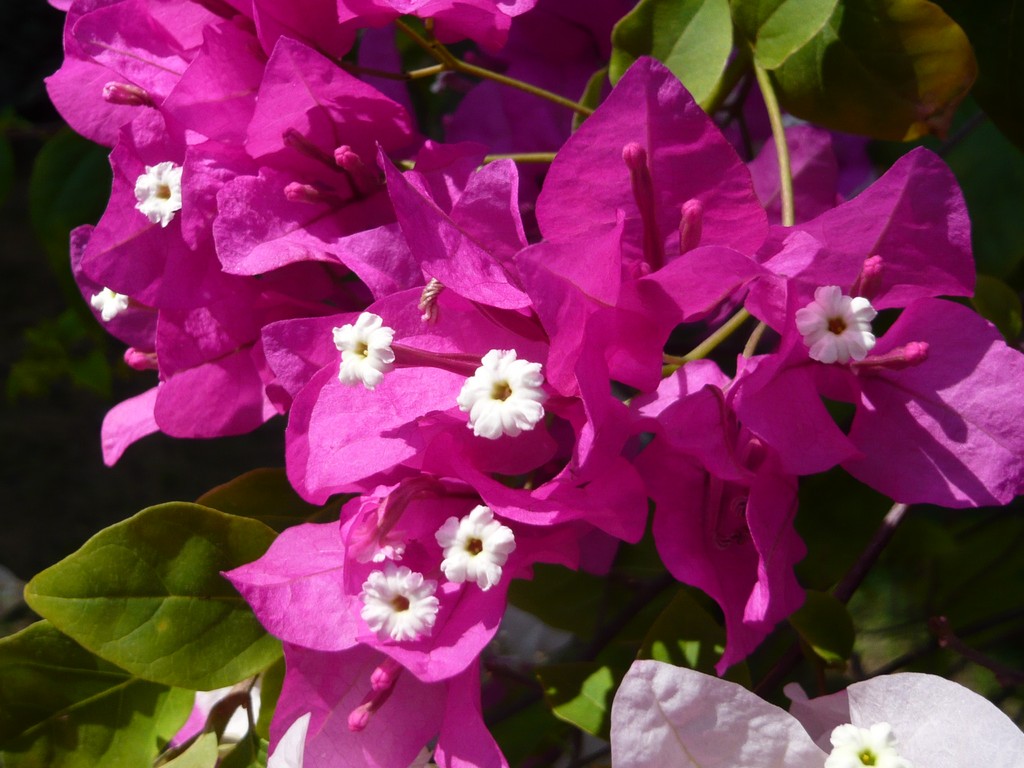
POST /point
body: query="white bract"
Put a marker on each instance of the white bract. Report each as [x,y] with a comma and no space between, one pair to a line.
[504,396]
[475,547]
[836,327]
[109,304]
[366,353]
[158,191]
[399,603]
[854,747]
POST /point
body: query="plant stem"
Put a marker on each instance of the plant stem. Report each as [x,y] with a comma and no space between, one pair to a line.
[522,157]
[450,62]
[706,347]
[781,148]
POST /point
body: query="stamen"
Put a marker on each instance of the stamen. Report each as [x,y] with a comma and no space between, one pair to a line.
[292,138]
[690,225]
[359,717]
[296,192]
[386,675]
[635,157]
[127,95]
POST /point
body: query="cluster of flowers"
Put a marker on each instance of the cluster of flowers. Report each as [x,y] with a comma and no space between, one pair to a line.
[446,342]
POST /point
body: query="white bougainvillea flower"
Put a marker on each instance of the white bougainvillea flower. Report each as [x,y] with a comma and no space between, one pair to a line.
[504,396]
[475,547]
[366,353]
[290,749]
[399,603]
[854,747]
[836,327]
[158,191]
[109,303]
[665,715]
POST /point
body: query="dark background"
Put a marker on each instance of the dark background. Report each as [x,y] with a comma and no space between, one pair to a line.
[59,373]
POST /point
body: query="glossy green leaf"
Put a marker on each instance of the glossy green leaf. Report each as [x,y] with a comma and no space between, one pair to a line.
[692,37]
[266,495]
[70,185]
[776,29]
[270,691]
[147,594]
[999,304]
[591,96]
[824,623]
[891,69]
[201,753]
[685,635]
[62,707]
[995,29]
[580,693]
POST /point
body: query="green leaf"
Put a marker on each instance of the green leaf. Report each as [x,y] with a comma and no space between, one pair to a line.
[685,635]
[999,304]
[825,625]
[591,96]
[62,707]
[270,692]
[561,598]
[267,496]
[248,753]
[202,753]
[6,169]
[70,185]
[995,29]
[147,595]
[776,29]
[692,37]
[580,693]
[891,69]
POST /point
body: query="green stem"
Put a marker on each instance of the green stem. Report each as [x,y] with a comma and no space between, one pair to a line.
[706,347]
[449,62]
[781,148]
[522,157]
[755,337]
[733,73]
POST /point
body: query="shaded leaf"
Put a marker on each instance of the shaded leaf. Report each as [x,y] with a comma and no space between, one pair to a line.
[202,753]
[147,594]
[891,69]
[999,304]
[270,691]
[995,29]
[591,95]
[563,599]
[63,707]
[825,625]
[685,635]
[69,186]
[776,29]
[693,38]
[6,169]
[581,693]
[266,495]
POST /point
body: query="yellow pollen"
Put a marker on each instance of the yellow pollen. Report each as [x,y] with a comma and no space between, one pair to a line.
[474,546]
[836,325]
[867,757]
[501,391]
[163,191]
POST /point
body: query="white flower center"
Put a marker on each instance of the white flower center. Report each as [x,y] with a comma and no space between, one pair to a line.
[854,747]
[109,304]
[399,603]
[158,191]
[503,396]
[836,327]
[366,353]
[475,547]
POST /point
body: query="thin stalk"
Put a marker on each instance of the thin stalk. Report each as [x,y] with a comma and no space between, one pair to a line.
[781,148]
[706,347]
[755,337]
[449,62]
[522,157]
